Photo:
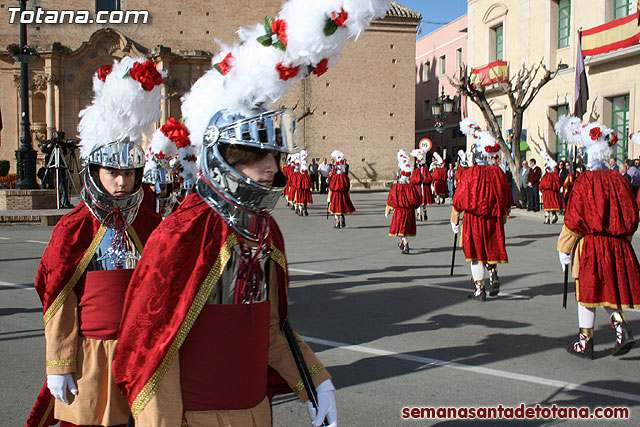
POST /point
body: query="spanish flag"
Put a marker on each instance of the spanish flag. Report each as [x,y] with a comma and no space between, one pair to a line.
[618,34]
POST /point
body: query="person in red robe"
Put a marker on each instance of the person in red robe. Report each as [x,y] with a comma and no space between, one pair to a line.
[421,178]
[484,196]
[550,186]
[439,175]
[600,220]
[85,269]
[287,171]
[214,318]
[304,183]
[403,200]
[339,199]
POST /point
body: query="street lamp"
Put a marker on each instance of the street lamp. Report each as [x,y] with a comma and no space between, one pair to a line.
[25,154]
[441,108]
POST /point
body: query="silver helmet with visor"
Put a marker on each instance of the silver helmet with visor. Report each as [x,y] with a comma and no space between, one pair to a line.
[121,155]
[242,202]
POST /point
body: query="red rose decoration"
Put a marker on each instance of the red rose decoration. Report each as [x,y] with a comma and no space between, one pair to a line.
[190,158]
[340,18]
[160,155]
[321,67]
[614,139]
[595,133]
[176,132]
[287,73]
[104,71]
[147,74]
[224,66]
[279,27]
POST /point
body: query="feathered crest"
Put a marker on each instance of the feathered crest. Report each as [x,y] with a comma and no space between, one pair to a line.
[126,103]
[306,37]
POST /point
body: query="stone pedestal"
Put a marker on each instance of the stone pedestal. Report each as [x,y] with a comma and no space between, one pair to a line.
[27,199]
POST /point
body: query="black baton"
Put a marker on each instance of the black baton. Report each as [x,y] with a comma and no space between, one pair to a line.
[566,282]
[302,367]
[131,422]
[453,253]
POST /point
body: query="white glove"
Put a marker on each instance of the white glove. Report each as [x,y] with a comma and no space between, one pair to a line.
[326,405]
[58,385]
[455,227]
[386,215]
[328,199]
[565,259]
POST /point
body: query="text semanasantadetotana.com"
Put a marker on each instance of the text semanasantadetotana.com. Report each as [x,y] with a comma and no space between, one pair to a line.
[519,412]
[41,16]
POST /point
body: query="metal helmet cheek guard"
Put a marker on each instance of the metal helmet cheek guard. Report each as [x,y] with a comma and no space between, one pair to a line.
[243,203]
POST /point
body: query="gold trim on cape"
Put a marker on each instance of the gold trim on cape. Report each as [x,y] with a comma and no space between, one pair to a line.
[45,416]
[82,266]
[149,389]
[135,238]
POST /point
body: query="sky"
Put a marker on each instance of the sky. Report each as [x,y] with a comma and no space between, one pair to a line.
[435,11]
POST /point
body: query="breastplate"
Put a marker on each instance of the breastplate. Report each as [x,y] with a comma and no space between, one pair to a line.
[230,283]
[108,257]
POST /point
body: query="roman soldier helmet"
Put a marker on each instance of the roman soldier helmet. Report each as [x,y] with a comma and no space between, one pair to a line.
[163,149]
[339,156]
[405,167]
[230,105]
[484,146]
[125,105]
[550,164]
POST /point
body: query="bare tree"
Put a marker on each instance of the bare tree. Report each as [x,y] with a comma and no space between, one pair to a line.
[521,89]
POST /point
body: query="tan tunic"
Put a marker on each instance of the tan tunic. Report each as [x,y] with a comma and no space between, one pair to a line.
[99,401]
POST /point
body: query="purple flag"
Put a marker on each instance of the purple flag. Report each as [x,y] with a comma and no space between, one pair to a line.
[582,88]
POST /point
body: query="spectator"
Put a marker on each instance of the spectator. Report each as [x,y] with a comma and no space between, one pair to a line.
[563,173]
[634,174]
[533,182]
[451,173]
[313,173]
[613,164]
[524,183]
[324,169]
[623,171]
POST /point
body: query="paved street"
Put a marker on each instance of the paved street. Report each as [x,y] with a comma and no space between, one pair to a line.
[395,330]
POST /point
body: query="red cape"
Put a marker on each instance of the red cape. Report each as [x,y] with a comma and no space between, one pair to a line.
[484,195]
[70,240]
[440,181]
[340,200]
[421,178]
[550,186]
[404,199]
[303,189]
[458,176]
[602,208]
[184,260]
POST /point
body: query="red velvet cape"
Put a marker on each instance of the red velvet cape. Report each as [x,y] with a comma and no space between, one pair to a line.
[421,178]
[287,171]
[484,195]
[69,241]
[404,199]
[185,254]
[458,176]
[340,200]
[550,186]
[303,189]
[440,181]
[602,208]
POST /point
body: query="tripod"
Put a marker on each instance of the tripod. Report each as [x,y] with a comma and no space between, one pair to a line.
[57,162]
